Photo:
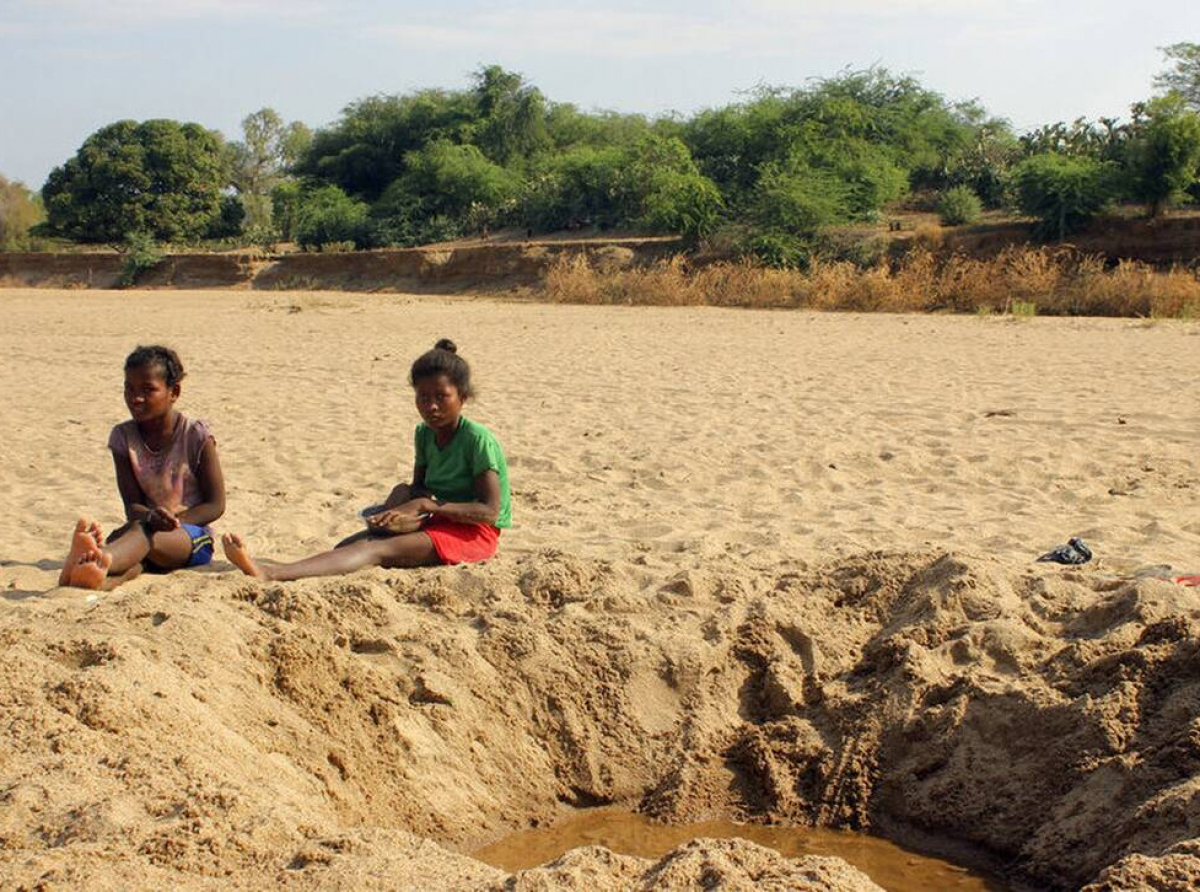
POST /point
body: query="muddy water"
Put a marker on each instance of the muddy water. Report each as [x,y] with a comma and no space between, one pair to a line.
[626,833]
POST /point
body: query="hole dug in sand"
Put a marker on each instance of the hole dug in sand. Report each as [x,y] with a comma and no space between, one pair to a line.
[368,731]
[626,833]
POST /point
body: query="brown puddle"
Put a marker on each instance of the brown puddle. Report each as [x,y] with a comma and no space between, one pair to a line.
[626,833]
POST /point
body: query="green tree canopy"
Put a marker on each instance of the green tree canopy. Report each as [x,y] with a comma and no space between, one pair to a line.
[651,184]
[1164,155]
[915,129]
[327,215]
[1064,192]
[511,116]
[1183,77]
[158,177]
[365,151]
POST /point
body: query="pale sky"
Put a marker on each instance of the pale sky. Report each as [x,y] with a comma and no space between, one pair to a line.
[68,67]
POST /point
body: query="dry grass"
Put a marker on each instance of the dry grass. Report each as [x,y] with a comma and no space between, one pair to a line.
[1057,282]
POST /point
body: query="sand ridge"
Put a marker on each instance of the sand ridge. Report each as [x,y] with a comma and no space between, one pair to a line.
[773,566]
[286,733]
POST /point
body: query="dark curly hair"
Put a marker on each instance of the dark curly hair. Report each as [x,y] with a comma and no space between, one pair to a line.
[443,359]
[164,358]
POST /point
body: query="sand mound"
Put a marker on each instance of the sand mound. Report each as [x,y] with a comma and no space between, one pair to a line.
[202,729]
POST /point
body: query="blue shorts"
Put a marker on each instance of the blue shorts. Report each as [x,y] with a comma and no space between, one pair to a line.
[202,549]
[202,544]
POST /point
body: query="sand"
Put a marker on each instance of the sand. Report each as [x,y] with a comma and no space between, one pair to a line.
[768,566]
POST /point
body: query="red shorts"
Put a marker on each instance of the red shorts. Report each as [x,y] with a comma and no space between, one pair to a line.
[461,543]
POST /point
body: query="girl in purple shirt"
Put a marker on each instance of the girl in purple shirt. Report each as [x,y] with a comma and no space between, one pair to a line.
[169,477]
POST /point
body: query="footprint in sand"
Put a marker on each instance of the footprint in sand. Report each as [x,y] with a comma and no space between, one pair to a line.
[649,530]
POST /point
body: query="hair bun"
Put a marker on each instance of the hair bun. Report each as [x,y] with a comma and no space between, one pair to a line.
[446,344]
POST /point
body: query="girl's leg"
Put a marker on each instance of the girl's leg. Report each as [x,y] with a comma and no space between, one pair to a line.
[121,557]
[408,550]
[130,545]
[86,540]
[356,537]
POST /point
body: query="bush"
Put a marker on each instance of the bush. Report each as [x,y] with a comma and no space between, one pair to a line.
[450,179]
[959,206]
[798,199]
[141,254]
[778,249]
[1020,281]
[684,203]
[789,204]
[652,184]
[327,214]
[448,190]
[20,211]
[871,179]
[407,229]
[265,238]
[581,187]
[1063,192]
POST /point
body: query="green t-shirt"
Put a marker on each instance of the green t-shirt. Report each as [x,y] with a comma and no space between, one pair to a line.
[450,473]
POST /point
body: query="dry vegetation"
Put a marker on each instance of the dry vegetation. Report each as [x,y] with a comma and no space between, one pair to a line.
[1055,281]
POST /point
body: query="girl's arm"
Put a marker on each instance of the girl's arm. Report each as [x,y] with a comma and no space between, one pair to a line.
[132,496]
[401,512]
[485,509]
[212,486]
[405,492]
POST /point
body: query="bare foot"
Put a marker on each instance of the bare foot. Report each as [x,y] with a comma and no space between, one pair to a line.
[235,552]
[91,570]
[86,541]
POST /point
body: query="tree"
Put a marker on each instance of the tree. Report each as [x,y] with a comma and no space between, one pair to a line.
[1164,157]
[259,161]
[1063,192]
[364,152]
[159,177]
[983,165]
[661,189]
[1183,77]
[20,209]
[512,116]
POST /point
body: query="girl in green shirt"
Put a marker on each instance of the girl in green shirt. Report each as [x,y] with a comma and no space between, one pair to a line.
[453,509]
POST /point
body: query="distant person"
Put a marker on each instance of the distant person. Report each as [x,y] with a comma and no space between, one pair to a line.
[451,512]
[169,477]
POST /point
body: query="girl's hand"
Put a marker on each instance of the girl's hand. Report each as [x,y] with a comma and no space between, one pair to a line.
[162,520]
[396,521]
